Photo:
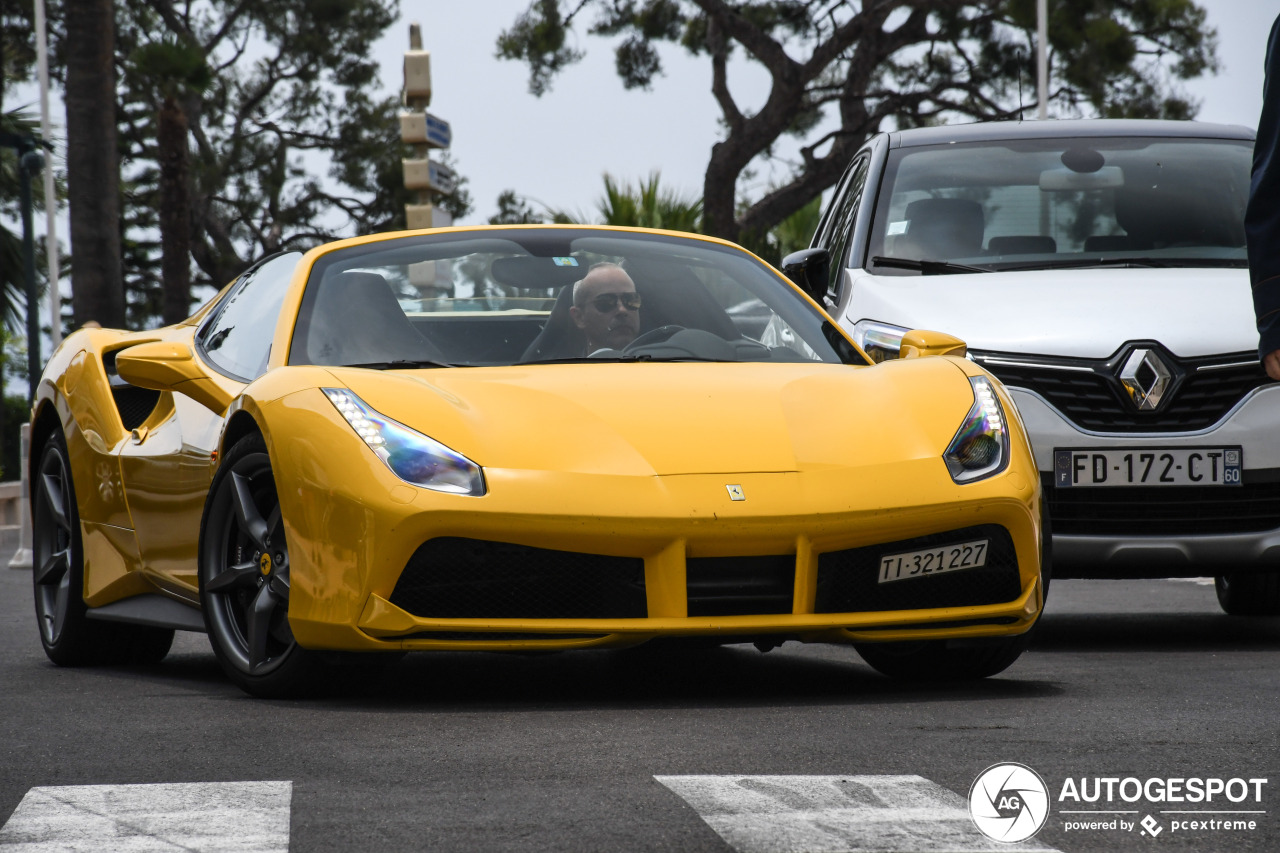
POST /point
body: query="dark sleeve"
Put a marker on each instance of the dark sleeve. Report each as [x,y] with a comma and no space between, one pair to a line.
[1262,217]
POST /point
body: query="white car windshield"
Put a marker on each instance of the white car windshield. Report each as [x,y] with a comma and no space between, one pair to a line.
[1046,203]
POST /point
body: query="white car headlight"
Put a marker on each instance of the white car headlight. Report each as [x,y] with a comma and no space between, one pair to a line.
[411,456]
[881,341]
[981,445]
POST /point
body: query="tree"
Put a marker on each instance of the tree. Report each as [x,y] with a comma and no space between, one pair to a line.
[178,73]
[93,173]
[287,142]
[13,294]
[843,70]
[647,205]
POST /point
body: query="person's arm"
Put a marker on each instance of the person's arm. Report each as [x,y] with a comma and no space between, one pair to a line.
[1262,217]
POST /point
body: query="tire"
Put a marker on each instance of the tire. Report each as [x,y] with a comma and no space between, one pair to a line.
[69,636]
[244,579]
[935,660]
[1249,594]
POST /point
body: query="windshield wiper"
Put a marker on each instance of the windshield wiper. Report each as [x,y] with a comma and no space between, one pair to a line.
[1126,263]
[401,364]
[925,267]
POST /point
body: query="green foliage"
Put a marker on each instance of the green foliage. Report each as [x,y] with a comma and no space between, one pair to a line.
[16,413]
[514,209]
[790,235]
[538,38]
[174,66]
[648,205]
[13,297]
[291,145]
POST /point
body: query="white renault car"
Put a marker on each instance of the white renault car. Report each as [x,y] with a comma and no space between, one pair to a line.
[1098,269]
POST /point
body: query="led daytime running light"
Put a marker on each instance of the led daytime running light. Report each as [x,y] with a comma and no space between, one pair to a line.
[980,447]
[411,456]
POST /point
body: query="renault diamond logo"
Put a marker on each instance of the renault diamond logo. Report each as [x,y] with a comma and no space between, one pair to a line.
[1146,378]
[736,493]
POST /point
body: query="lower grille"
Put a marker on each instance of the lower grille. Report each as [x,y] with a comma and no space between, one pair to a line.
[847,580]
[1251,507]
[456,578]
[740,586]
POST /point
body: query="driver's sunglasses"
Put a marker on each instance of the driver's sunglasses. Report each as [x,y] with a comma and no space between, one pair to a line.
[606,302]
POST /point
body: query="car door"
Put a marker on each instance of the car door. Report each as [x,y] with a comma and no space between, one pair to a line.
[167,469]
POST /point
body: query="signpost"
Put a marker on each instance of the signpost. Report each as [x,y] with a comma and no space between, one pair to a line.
[424,132]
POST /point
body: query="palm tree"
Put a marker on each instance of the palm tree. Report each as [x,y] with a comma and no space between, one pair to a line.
[13,297]
[649,206]
[176,72]
[93,165]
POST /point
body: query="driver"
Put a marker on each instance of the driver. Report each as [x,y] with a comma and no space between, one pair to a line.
[606,307]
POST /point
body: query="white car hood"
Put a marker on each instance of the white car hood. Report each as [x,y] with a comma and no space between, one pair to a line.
[1084,313]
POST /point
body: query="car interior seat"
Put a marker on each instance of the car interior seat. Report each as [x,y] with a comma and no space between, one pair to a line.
[1159,217]
[942,228]
[356,319]
[559,337]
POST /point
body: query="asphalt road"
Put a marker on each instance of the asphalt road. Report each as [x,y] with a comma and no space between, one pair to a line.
[1142,679]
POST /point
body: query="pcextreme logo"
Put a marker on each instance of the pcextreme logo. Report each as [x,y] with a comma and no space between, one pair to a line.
[1009,802]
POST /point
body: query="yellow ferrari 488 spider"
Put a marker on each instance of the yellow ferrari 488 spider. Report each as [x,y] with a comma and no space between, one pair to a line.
[525,438]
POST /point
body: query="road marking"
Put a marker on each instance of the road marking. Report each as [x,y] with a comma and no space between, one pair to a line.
[246,817]
[1196,581]
[835,814]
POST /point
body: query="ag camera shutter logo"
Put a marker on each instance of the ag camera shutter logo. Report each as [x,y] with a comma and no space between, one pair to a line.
[1009,802]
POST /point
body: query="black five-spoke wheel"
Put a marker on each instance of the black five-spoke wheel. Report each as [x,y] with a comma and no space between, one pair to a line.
[244,577]
[69,636]
[55,548]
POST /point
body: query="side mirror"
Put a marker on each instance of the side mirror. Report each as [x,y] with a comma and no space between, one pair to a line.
[810,270]
[167,366]
[919,343]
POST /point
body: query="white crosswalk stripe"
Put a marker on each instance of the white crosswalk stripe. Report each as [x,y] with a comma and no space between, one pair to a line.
[835,814]
[246,817]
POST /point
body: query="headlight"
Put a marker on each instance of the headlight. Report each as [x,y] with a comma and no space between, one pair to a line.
[879,340]
[981,445]
[411,456]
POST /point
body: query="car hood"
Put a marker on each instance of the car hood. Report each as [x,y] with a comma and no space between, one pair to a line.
[646,419]
[1083,313]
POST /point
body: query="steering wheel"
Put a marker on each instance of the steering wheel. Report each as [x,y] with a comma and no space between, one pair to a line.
[653,336]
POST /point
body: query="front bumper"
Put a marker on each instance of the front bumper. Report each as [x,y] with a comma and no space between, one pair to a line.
[1192,531]
[353,529]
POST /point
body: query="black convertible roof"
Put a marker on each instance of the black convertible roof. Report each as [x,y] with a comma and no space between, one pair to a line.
[1068,128]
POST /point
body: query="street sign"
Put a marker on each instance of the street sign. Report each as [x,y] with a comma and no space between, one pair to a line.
[425,129]
[426,175]
[443,180]
[439,133]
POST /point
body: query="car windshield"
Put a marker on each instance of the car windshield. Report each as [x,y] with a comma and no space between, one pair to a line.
[1041,204]
[544,295]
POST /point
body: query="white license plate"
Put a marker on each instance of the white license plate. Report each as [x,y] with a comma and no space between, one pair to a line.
[1148,466]
[947,558]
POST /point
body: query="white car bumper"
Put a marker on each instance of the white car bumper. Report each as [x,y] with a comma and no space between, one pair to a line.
[1164,531]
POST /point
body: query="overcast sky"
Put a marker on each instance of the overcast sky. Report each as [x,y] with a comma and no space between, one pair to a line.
[556,149]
